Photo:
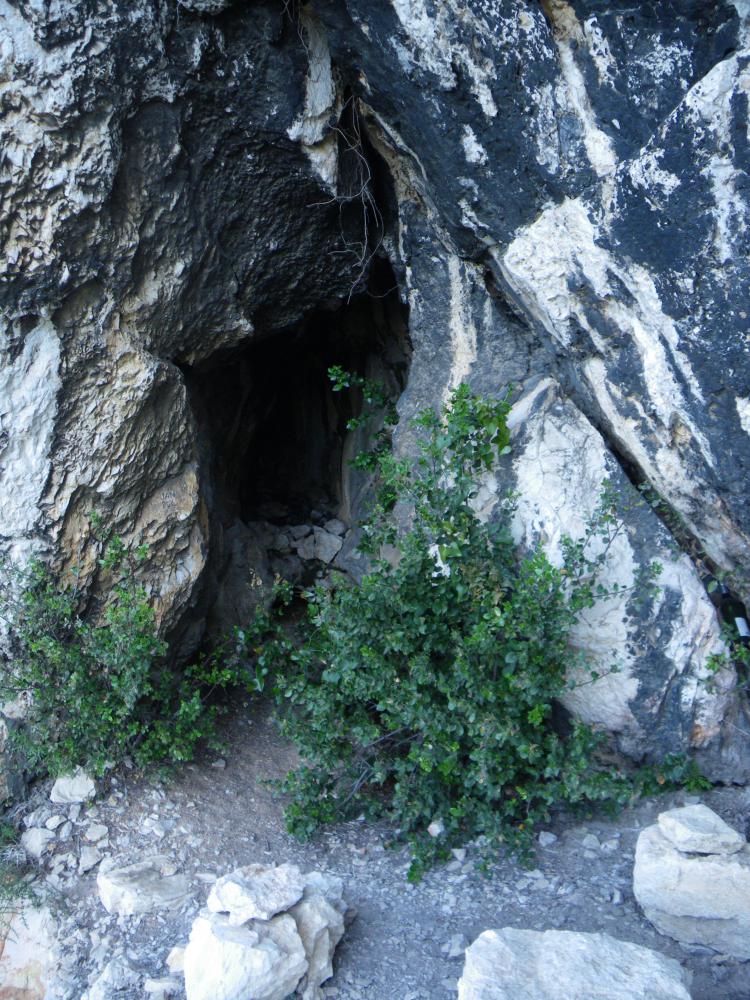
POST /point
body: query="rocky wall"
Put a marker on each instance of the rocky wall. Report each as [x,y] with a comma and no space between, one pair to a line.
[561,192]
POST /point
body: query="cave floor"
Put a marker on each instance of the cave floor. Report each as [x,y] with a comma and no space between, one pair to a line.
[214,815]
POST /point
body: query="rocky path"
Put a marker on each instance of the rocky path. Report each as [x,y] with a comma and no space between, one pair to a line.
[407,941]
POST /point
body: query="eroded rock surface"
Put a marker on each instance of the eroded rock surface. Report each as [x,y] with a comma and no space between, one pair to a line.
[151,884]
[29,953]
[560,193]
[693,880]
[510,964]
[266,932]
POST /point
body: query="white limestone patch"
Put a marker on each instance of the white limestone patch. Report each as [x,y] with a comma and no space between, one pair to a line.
[432,43]
[667,61]
[646,173]
[560,465]
[322,104]
[709,105]
[462,327]
[705,695]
[572,90]
[598,46]
[473,150]
[29,386]
[545,128]
[626,414]
[560,469]
[45,179]
[29,954]
[743,12]
[743,412]
[563,242]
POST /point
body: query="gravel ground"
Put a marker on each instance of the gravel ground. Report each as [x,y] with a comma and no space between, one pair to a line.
[407,941]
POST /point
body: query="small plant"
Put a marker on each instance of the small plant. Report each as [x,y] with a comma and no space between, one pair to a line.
[14,889]
[100,689]
[426,694]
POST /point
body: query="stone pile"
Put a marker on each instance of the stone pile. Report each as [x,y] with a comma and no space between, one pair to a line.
[692,879]
[511,964]
[265,932]
[296,550]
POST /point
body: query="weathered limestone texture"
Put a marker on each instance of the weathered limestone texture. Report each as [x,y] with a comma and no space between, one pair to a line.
[560,189]
[692,879]
[29,953]
[266,933]
[511,964]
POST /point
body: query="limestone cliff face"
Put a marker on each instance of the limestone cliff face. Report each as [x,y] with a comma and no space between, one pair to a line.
[561,192]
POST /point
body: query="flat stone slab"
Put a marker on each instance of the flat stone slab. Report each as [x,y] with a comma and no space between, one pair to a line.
[511,964]
[141,887]
[696,829]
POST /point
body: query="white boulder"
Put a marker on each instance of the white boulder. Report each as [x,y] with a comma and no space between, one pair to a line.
[256,892]
[89,858]
[696,898]
[71,788]
[141,887]
[264,960]
[510,964]
[697,829]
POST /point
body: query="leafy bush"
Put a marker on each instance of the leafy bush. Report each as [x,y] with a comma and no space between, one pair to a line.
[427,693]
[100,690]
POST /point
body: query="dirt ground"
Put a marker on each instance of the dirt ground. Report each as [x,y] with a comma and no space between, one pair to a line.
[406,942]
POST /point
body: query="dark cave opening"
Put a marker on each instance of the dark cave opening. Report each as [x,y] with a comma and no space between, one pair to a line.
[276,451]
[276,429]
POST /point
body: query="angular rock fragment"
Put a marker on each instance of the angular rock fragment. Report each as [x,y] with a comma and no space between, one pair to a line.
[264,960]
[141,887]
[176,960]
[256,892]
[696,898]
[697,829]
[510,964]
[320,918]
[36,841]
[327,545]
[89,858]
[116,977]
[71,788]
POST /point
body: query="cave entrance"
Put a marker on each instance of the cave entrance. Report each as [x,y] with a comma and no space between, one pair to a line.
[276,446]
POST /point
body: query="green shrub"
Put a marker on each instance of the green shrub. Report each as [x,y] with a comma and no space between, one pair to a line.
[102,689]
[426,694]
